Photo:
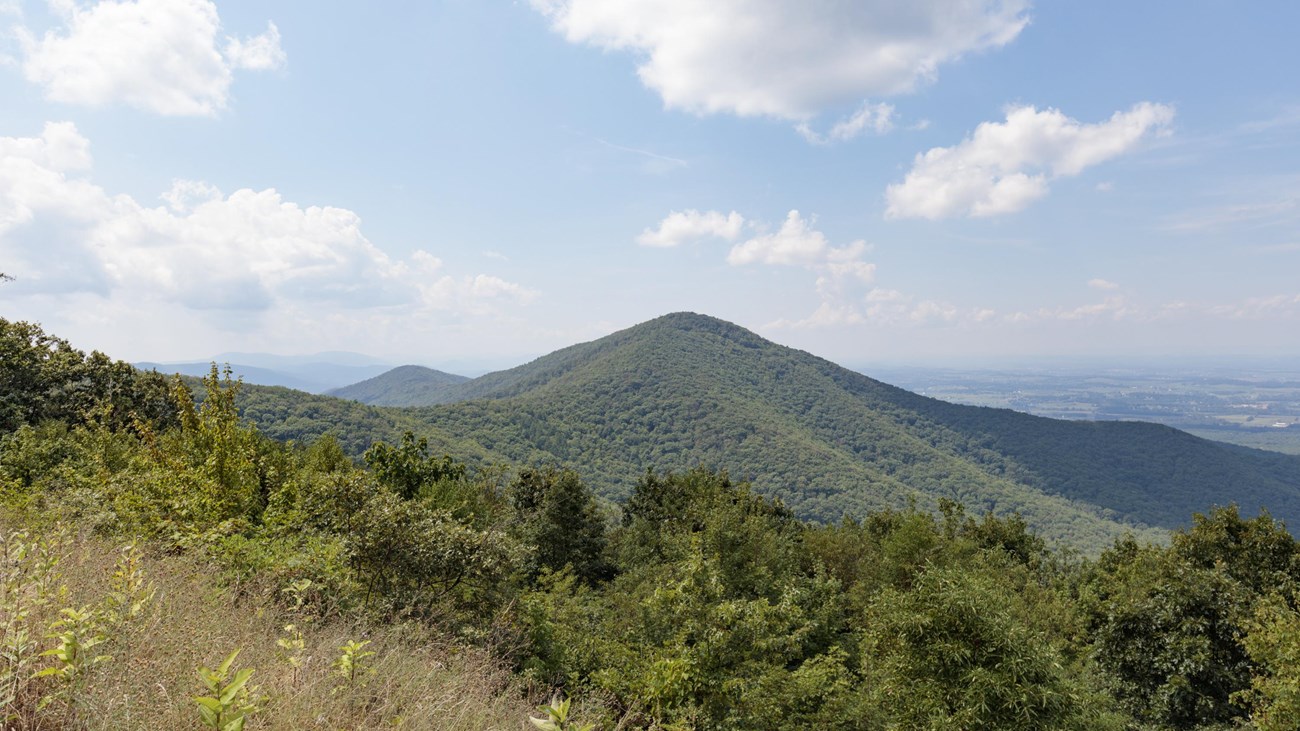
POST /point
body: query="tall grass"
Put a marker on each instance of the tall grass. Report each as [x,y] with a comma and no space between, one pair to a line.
[416,679]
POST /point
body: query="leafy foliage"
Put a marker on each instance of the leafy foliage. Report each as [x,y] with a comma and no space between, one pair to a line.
[558,518]
[1169,622]
[43,377]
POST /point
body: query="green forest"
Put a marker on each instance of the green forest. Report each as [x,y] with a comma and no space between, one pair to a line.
[167,563]
[687,390]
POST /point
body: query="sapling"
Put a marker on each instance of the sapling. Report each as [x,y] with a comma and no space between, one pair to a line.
[231,701]
[129,594]
[291,647]
[557,717]
[353,665]
[296,591]
[29,575]
[76,635]
[129,597]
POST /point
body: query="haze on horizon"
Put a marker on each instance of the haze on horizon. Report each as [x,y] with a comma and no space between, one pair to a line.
[881,181]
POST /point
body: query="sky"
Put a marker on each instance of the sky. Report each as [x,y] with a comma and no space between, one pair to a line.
[455,181]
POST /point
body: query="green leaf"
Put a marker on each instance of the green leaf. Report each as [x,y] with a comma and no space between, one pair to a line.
[236,684]
[208,714]
[225,665]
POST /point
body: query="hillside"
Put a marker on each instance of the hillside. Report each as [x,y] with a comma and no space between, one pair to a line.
[686,389]
[408,385]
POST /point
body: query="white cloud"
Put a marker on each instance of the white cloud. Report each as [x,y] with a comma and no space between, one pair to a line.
[1118,308]
[876,118]
[1102,284]
[796,243]
[781,59]
[184,195]
[841,271]
[827,314]
[156,55]
[1259,307]
[475,295]
[1005,166]
[250,251]
[680,227]
[1115,308]
[933,311]
[892,307]
[259,53]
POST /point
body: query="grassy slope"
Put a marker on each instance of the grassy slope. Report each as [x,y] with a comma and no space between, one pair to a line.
[420,679]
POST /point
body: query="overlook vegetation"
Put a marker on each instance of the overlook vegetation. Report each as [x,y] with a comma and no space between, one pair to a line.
[164,564]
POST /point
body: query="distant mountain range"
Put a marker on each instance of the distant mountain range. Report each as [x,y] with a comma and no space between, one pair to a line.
[686,389]
[311,373]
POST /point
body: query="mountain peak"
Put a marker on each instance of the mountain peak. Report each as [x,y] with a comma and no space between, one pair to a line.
[695,322]
[690,321]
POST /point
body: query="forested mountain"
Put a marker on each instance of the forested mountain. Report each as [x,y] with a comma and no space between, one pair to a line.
[408,385]
[686,390]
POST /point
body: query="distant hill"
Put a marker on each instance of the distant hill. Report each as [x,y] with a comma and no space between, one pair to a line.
[687,389]
[408,385]
[311,373]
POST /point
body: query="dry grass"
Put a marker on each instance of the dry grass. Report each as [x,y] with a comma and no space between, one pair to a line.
[420,680]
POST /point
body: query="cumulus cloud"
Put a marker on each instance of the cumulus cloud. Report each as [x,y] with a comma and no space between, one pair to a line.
[158,55]
[891,307]
[1259,307]
[1004,166]
[1118,308]
[259,53]
[249,251]
[797,243]
[680,227]
[1102,284]
[786,60]
[875,118]
[841,271]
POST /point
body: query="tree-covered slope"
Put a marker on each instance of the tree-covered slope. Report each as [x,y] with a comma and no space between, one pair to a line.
[686,390]
[408,385]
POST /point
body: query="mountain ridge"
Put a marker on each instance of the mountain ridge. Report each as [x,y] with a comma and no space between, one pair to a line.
[687,389]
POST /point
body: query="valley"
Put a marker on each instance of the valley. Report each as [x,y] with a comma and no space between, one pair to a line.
[1253,404]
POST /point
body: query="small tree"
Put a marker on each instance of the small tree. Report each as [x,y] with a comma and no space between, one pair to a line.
[558,517]
[408,469]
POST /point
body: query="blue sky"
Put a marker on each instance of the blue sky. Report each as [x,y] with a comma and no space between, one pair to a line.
[908,181]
